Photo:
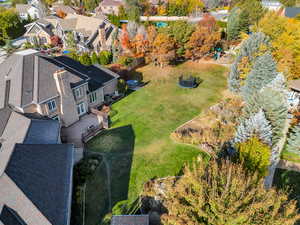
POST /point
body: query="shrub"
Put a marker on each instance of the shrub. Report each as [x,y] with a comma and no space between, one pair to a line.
[105,57]
[125,61]
[94,58]
[85,59]
[255,155]
[122,86]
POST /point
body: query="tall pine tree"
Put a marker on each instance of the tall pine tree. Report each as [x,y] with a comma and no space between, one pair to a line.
[263,72]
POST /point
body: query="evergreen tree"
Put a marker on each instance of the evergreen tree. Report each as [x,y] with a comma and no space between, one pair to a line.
[250,49]
[105,57]
[263,72]
[234,78]
[293,141]
[85,59]
[274,105]
[233,24]
[255,155]
[256,126]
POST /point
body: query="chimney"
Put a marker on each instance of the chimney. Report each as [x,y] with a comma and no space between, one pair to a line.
[68,108]
[102,37]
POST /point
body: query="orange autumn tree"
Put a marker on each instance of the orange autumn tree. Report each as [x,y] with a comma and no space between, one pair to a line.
[163,50]
[202,42]
[61,14]
[125,41]
[285,41]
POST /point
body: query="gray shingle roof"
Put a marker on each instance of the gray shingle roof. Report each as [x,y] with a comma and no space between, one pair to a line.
[9,216]
[43,131]
[292,12]
[44,174]
[31,77]
[22,8]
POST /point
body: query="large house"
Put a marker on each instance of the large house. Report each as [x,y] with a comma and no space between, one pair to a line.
[272,5]
[35,170]
[89,33]
[57,87]
[34,9]
[110,6]
[291,12]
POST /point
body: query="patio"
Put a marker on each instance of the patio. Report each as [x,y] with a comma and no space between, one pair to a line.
[88,126]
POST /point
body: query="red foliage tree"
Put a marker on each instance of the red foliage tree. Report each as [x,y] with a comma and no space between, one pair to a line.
[208,21]
[125,42]
[55,41]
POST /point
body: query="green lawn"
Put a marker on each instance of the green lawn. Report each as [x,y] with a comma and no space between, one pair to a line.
[138,147]
[290,156]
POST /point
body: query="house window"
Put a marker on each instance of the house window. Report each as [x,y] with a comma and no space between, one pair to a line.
[93,97]
[78,93]
[81,108]
[43,40]
[51,105]
[55,118]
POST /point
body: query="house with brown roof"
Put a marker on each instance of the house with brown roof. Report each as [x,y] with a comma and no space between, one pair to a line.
[108,7]
[89,33]
[57,87]
[56,7]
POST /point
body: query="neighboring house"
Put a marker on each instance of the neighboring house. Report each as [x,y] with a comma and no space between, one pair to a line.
[64,8]
[57,87]
[130,220]
[40,31]
[294,94]
[90,33]
[291,12]
[110,6]
[35,171]
[34,9]
[27,11]
[272,5]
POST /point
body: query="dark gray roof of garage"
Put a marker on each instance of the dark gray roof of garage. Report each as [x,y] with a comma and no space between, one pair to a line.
[292,12]
[95,75]
[44,174]
[43,132]
[9,216]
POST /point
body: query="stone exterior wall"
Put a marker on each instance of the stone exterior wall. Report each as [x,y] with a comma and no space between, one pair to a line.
[44,109]
[100,99]
[68,107]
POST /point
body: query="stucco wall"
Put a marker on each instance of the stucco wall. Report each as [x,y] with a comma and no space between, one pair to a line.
[110,87]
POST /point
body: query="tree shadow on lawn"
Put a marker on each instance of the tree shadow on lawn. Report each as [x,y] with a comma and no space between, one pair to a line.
[288,181]
[116,147]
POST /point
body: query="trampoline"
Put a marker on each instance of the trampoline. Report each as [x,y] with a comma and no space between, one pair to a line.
[189,82]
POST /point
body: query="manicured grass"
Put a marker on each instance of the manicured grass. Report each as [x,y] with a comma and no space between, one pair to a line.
[289,181]
[139,147]
[290,156]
